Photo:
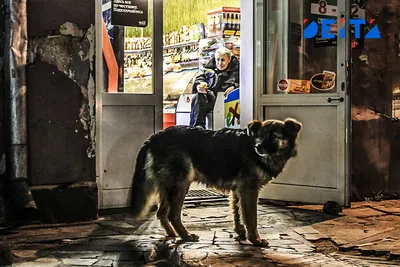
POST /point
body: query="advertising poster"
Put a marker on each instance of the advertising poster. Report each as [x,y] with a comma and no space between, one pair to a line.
[132,13]
[232,109]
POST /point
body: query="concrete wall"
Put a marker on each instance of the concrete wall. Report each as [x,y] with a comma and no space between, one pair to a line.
[60,103]
[2,120]
[376,139]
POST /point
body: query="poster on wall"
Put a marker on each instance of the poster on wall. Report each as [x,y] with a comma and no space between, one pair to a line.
[132,13]
[327,9]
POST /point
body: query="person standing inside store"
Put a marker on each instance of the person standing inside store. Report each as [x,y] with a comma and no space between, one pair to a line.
[220,74]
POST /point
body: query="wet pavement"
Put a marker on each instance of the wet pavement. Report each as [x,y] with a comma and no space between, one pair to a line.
[365,235]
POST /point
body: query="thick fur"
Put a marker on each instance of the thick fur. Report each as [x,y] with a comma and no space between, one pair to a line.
[238,160]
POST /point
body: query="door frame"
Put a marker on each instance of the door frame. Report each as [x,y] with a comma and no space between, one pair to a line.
[120,99]
[253,101]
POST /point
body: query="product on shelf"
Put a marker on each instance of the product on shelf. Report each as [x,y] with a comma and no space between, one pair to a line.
[223,21]
[180,52]
[139,43]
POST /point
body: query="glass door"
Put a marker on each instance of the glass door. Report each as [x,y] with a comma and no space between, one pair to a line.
[301,74]
[129,96]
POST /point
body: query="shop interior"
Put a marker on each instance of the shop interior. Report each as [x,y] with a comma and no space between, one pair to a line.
[193,30]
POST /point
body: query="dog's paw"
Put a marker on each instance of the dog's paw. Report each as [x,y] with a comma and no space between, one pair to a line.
[259,242]
[241,231]
[191,238]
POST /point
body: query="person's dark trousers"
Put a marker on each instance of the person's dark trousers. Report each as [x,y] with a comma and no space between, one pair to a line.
[200,107]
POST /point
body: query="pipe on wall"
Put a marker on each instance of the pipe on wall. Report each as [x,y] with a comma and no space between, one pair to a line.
[15,77]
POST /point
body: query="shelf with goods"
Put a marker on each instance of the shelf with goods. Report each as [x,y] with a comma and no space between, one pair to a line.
[223,22]
[177,57]
[180,52]
[223,30]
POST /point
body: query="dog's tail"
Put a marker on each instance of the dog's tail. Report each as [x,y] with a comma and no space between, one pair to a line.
[142,188]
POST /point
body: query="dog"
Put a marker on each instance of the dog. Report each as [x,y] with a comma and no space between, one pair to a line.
[241,161]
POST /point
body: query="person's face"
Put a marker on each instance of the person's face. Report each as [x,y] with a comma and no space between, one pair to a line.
[222,61]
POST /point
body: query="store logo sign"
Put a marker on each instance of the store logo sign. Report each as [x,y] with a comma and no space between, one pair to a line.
[328,29]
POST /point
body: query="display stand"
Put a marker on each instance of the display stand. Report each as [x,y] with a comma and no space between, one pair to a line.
[214,120]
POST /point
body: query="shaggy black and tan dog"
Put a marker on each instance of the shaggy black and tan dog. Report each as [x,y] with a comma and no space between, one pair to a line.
[237,160]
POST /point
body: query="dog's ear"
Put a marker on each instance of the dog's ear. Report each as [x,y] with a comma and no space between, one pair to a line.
[292,127]
[254,128]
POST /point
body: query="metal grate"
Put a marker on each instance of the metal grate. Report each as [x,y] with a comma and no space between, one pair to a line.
[200,195]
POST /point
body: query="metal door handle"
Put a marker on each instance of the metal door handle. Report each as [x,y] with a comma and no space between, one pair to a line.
[335,99]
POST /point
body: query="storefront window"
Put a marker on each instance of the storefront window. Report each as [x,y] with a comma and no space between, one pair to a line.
[292,63]
[192,32]
[137,58]
[185,35]
[131,61]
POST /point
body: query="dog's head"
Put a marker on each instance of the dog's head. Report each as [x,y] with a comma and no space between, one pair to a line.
[274,137]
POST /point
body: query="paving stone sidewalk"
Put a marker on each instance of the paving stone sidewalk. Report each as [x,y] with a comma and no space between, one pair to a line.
[119,240]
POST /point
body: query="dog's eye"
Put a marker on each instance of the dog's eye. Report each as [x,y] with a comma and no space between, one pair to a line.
[274,135]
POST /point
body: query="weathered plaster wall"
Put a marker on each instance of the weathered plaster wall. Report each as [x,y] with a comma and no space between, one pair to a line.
[61,108]
[2,120]
[376,139]
[71,52]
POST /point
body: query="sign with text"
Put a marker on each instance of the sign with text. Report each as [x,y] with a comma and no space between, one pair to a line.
[132,13]
[329,29]
[327,9]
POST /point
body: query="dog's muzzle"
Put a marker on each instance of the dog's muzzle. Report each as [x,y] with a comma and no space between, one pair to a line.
[282,144]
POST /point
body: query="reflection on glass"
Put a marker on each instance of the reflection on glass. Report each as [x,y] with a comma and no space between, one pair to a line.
[293,64]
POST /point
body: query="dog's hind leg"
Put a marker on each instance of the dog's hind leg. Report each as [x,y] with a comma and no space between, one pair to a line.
[177,197]
[162,214]
[239,228]
[248,205]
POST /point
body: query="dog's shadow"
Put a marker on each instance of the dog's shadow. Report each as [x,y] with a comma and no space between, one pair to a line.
[165,252]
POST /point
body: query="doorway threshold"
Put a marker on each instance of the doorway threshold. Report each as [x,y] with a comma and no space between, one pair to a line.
[204,195]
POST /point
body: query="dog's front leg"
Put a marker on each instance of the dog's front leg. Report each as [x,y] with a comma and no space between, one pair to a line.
[239,228]
[248,206]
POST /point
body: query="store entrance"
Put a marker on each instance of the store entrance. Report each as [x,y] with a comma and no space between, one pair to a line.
[306,79]
[149,78]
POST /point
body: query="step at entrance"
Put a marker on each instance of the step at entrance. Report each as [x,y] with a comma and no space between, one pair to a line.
[204,195]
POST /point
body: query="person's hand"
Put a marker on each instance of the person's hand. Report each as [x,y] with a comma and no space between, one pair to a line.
[202,88]
[227,91]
